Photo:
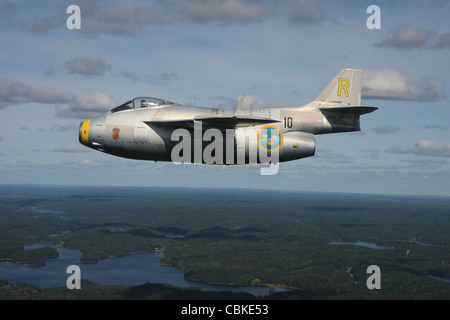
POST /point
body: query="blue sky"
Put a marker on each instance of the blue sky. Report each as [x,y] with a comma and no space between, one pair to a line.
[207,53]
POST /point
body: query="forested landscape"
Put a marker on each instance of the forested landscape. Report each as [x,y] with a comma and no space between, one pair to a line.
[233,236]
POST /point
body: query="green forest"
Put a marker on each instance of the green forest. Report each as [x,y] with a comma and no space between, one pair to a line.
[233,236]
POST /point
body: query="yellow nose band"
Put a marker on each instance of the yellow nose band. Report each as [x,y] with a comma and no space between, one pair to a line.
[85,132]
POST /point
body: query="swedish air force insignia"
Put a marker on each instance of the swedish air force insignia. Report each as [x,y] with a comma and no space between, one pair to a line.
[270,138]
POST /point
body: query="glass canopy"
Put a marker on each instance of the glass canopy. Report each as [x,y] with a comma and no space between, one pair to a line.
[141,102]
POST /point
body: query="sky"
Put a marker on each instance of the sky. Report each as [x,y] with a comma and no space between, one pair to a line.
[209,52]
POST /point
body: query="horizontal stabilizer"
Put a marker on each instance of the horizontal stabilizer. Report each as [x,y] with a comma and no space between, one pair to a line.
[354,109]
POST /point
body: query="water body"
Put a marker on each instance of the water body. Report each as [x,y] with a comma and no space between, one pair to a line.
[424,244]
[129,270]
[61,213]
[37,210]
[439,278]
[362,244]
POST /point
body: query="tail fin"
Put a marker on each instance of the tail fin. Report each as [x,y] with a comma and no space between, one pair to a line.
[340,102]
[344,90]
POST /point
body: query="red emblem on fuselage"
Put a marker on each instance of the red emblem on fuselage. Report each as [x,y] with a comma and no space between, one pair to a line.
[116,133]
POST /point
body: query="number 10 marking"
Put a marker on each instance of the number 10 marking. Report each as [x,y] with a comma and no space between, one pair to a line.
[288,122]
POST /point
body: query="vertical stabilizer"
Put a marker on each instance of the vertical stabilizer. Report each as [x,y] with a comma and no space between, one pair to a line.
[344,90]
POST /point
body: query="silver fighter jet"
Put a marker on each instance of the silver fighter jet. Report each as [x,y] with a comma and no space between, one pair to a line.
[148,128]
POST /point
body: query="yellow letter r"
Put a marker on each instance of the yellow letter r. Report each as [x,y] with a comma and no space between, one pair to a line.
[343,86]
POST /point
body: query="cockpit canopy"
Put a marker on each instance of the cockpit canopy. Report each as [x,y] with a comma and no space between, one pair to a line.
[142,102]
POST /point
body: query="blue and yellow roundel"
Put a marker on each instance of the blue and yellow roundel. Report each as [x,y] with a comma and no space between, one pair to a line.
[270,138]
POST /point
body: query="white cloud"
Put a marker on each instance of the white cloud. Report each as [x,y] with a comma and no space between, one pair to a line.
[407,38]
[329,155]
[443,42]
[87,105]
[13,92]
[130,18]
[124,20]
[70,149]
[45,25]
[243,11]
[395,85]
[305,12]
[385,129]
[435,127]
[87,66]
[225,11]
[253,102]
[249,102]
[424,147]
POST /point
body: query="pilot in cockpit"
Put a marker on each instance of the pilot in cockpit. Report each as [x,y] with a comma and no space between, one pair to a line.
[149,103]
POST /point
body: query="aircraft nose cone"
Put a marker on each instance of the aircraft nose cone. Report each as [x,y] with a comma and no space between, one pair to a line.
[83,134]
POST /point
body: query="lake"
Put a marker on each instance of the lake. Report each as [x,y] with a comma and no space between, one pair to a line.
[361,244]
[131,270]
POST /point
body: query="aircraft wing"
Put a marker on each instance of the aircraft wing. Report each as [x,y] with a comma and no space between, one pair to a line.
[234,121]
[214,122]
